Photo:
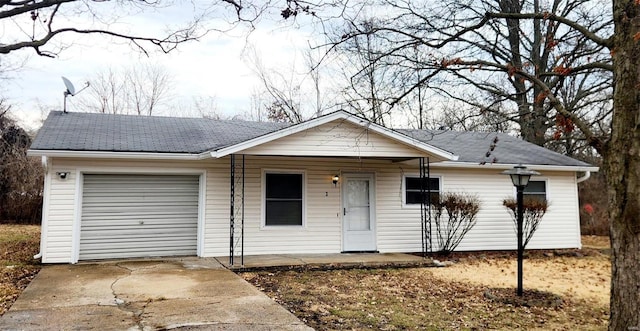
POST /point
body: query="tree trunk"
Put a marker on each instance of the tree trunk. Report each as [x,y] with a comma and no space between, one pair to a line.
[622,169]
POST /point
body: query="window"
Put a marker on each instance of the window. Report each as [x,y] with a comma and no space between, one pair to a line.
[283,199]
[412,194]
[536,190]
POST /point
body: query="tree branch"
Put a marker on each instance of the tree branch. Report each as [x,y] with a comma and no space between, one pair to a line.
[166,44]
[28,6]
[606,42]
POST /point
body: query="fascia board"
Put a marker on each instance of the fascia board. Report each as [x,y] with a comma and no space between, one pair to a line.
[504,166]
[118,155]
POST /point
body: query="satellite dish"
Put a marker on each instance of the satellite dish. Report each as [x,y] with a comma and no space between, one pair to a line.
[70,88]
[71,91]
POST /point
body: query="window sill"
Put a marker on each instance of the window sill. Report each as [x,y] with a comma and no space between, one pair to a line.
[282,227]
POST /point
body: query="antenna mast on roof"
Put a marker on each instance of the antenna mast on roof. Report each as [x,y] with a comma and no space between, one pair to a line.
[70,91]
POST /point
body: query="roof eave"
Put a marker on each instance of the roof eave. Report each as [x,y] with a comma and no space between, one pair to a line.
[504,166]
[118,155]
[339,115]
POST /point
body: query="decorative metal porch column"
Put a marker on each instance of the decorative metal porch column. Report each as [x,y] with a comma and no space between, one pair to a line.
[425,206]
[236,236]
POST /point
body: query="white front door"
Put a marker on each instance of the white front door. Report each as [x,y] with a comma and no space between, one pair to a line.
[358,210]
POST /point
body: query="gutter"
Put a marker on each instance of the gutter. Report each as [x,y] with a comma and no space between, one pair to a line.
[118,155]
[505,166]
[587,175]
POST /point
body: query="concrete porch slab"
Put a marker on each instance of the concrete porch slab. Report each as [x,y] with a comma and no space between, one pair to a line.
[329,261]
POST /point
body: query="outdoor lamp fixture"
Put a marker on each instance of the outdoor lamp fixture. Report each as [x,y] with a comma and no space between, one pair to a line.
[336,178]
[520,176]
[62,174]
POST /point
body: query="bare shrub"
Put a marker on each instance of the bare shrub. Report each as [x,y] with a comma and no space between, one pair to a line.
[454,215]
[534,209]
[21,177]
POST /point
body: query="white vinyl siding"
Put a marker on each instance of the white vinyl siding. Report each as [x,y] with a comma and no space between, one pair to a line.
[138,216]
[321,230]
[337,138]
[58,230]
[397,227]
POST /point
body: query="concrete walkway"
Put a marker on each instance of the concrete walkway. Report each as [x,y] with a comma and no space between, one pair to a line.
[183,294]
[326,261]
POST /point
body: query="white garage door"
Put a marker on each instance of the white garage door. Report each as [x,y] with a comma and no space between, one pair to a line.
[138,216]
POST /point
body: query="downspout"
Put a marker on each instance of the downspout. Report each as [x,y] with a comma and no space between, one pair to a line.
[45,192]
[587,175]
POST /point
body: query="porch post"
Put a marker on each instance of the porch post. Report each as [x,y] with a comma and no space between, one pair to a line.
[232,180]
[242,218]
[236,208]
[425,205]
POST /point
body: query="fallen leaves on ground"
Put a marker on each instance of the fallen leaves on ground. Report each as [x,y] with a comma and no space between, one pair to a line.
[18,245]
[424,298]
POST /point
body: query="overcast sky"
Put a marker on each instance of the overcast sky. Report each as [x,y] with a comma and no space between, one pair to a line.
[218,66]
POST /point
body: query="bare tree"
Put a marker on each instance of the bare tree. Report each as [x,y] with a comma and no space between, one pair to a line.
[147,87]
[482,65]
[366,92]
[207,107]
[287,95]
[462,117]
[21,177]
[138,89]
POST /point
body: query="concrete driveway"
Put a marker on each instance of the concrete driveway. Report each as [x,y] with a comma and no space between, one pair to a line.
[179,294]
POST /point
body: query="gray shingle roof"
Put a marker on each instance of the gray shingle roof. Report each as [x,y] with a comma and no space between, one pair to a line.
[473,146]
[126,133]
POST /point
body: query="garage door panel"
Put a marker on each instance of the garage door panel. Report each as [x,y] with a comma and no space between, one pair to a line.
[138,215]
[183,221]
[101,255]
[156,208]
[138,232]
[113,238]
[132,216]
[126,245]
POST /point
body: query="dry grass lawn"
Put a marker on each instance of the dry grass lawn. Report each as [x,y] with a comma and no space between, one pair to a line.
[18,245]
[585,277]
[564,290]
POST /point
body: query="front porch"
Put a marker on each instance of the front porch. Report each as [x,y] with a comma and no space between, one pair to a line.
[328,261]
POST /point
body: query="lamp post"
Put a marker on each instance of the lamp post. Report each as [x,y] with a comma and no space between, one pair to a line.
[520,176]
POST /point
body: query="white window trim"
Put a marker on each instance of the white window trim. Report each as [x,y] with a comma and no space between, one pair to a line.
[263,200]
[536,179]
[403,192]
